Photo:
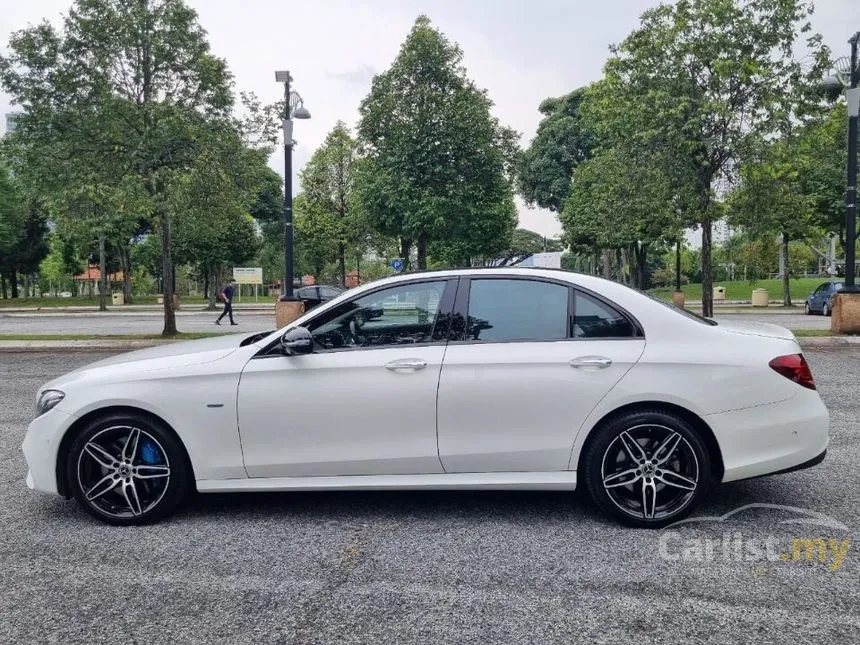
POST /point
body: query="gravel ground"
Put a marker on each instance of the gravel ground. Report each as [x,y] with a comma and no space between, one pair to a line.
[429,567]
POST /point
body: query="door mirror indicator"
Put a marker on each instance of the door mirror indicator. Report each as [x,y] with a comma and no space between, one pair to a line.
[297,341]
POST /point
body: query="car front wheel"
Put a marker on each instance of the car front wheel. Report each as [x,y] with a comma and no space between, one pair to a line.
[125,469]
[807,310]
[647,468]
[825,311]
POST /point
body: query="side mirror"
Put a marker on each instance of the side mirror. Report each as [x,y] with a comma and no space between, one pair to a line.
[297,341]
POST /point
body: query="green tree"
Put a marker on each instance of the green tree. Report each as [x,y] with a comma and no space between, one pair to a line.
[621,200]
[210,204]
[126,81]
[328,181]
[563,141]
[769,200]
[439,164]
[702,76]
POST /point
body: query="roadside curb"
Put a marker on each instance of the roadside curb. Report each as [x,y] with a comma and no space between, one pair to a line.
[828,341]
[71,346]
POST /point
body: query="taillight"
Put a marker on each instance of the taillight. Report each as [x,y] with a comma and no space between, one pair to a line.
[794,367]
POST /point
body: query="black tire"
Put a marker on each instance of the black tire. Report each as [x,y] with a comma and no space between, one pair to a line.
[825,310]
[667,485]
[807,310]
[128,484]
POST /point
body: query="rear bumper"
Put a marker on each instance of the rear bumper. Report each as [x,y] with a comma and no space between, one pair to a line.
[775,438]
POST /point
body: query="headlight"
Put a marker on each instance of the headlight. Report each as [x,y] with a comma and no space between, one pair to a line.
[47,400]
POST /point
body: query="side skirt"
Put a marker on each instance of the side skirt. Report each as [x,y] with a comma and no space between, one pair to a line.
[564,480]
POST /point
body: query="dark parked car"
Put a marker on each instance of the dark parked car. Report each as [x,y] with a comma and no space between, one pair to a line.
[820,301]
[317,294]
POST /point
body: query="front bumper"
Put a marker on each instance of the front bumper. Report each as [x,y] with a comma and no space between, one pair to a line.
[774,438]
[41,446]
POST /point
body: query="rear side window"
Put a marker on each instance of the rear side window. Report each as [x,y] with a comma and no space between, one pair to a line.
[593,318]
[507,310]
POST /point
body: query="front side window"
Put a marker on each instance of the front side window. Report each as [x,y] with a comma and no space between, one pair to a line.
[595,319]
[401,315]
[510,310]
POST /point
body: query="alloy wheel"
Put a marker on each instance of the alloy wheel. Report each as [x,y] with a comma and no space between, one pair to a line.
[123,471]
[650,472]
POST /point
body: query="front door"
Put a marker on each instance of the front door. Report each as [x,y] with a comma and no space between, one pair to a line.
[535,358]
[364,402]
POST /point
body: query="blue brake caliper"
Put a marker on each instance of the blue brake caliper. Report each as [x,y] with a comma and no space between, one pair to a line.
[149,453]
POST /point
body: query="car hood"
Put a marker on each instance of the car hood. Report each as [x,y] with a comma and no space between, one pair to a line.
[166,356]
[768,330]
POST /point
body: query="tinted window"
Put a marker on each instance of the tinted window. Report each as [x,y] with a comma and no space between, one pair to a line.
[501,310]
[328,292]
[595,319]
[400,315]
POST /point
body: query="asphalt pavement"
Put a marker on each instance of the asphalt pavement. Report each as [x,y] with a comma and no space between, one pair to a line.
[112,323]
[426,567]
[151,322]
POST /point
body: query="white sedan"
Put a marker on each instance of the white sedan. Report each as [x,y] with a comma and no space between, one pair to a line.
[466,379]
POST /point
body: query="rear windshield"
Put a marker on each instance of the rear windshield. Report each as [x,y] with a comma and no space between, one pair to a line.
[684,312]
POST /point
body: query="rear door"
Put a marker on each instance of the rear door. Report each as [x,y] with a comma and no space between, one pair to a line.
[528,360]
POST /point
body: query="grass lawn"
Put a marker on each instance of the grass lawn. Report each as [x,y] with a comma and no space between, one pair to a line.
[84,302]
[186,336]
[742,290]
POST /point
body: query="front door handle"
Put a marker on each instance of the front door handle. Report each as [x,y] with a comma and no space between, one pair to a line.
[403,364]
[591,361]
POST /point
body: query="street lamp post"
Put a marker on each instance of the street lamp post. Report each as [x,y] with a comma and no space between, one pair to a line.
[848,74]
[293,109]
[846,310]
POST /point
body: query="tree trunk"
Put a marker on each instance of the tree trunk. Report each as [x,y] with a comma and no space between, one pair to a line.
[124,254]
[341,264]
[786,284]
[103,281]
[678,265]
[3,286]
[13,281]
[422,252]
[405,251]
[166,269]
[206,283]
[607,264]
[213,286]
[640,251]
[707,270]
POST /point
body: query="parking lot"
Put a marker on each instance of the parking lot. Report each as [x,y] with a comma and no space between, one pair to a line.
[428,567]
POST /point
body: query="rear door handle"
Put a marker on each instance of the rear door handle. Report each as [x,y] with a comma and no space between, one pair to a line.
[591,361]
[403,364]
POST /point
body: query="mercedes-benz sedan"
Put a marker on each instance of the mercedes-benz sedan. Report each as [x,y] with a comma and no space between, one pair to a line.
[468,379]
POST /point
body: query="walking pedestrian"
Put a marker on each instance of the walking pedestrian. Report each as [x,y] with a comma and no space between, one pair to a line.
[227,297]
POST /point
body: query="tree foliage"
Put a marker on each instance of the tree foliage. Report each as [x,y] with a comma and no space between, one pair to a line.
[702,77]
[563,141]
[123,86]
[439,164]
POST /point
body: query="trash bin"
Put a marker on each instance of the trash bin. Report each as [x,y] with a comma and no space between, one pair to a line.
[719,293]
[679,298]
[118,299]
[760,298]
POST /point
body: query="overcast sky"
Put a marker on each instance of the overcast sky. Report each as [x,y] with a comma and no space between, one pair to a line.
[521,51]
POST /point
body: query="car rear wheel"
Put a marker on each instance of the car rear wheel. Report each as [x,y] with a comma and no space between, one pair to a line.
[647,468]
[127,469]
[807,310]
[825,310]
